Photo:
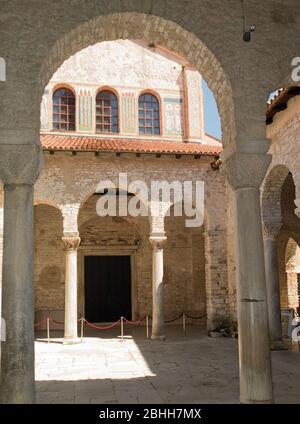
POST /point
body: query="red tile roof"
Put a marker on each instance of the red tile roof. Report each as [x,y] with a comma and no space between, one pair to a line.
[91,144]
[279,102]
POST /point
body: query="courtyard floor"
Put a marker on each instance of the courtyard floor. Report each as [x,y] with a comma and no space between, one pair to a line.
[191,369]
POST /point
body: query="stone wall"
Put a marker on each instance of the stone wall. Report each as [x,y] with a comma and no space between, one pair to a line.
[196,259]
[184,260]
[281,194]
[49,259]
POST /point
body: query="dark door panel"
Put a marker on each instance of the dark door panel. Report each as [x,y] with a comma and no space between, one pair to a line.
[107,288]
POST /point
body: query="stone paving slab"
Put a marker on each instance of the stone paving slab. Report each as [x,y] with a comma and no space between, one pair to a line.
[194,369]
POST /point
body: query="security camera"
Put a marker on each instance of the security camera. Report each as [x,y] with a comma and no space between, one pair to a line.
[247,34]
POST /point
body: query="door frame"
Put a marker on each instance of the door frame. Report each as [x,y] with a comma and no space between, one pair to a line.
[84,251]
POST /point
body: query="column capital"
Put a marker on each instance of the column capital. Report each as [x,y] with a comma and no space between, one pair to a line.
[20,163]
[271,229]
[157,240]
[71,242]
[246,170]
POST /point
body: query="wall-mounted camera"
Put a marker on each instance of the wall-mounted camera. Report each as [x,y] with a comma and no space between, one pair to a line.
[247,34]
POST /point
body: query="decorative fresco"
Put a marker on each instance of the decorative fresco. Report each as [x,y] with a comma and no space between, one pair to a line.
[195,120]
[84,109]
[173,116]
[129,111]
[131,67]
[121,63]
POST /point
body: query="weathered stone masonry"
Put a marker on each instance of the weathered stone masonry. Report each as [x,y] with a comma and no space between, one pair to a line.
[195,269]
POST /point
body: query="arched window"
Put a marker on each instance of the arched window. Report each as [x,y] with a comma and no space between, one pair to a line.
[149,114]
[106,112]
[64,110]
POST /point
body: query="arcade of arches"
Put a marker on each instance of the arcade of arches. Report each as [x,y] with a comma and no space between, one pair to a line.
[241,265]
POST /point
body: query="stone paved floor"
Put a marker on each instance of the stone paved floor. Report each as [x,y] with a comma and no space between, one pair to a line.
[195,369]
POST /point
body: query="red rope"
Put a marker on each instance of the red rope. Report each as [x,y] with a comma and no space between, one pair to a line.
[108,327]
[132,322]
[57,322]
[40,322]
[98,327]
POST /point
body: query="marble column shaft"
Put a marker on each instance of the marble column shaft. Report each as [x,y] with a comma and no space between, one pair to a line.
[71,315]
[245,173]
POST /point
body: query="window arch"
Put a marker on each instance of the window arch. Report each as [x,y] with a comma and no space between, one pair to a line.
[64,109]
[107,113]
[149,121]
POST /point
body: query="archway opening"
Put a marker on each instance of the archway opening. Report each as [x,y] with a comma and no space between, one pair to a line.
[155,32]
[281,223]
[292,269]
[114,259]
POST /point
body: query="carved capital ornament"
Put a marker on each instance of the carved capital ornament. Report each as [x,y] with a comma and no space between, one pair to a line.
[71,243]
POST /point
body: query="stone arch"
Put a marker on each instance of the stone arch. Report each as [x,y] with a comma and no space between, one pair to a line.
[154,29]
[292,269]
[117,235]
[285,141]
[201,212]
[91,188]
[292,256]
[48,202]
[271,195]
[92,222]
[47,193]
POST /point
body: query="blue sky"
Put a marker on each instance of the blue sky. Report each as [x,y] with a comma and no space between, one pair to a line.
[211,114]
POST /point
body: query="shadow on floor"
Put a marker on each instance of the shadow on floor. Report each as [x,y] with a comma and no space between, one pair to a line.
[191,369]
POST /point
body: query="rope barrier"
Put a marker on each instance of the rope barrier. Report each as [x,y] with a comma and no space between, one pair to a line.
[127,321]
[98,327]
[57,322]
[175,319]
[121,321]
[203,316]
[40,322]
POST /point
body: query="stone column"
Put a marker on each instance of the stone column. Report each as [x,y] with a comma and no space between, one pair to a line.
[158,326]
[71,317]
[158,212]
[245,173]
[273,285]
[19,167]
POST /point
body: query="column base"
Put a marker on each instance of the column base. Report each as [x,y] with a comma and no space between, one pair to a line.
[278,345]
[71,341]
[156,337]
